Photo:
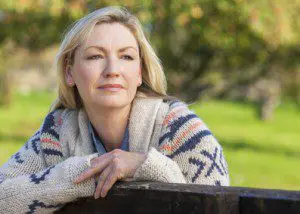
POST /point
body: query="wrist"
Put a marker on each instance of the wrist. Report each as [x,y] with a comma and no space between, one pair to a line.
[143,156]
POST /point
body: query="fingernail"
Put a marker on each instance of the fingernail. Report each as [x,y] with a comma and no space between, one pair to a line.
[96,196]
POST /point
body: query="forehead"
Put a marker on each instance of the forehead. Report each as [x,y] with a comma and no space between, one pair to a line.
[110,36]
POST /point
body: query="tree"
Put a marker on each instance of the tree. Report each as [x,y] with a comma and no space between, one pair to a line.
[215,48]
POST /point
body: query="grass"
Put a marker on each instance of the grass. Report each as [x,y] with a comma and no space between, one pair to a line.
[259,154]
[21,120]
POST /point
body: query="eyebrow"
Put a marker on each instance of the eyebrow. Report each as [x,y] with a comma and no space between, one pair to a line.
[104,50]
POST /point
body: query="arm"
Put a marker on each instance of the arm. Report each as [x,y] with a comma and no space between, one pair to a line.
[28,184]
[46,190]
[187,152]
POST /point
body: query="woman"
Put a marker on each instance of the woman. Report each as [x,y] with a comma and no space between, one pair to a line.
[112,121]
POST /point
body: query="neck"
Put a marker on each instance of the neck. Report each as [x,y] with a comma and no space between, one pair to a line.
[110,124]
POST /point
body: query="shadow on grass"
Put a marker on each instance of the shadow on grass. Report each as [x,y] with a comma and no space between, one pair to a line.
[242,145]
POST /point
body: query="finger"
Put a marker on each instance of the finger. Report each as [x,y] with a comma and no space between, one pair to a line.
[89,173]
[111,179]
[101,163]
[102,177]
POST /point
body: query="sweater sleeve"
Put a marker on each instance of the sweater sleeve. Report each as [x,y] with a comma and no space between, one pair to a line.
[187,152]
[29,185]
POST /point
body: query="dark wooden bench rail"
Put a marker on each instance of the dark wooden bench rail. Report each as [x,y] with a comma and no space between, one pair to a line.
[148,197]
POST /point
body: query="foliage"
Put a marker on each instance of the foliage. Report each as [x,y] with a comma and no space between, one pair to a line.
[5,89]
[34,30]
[221,43]
[214,47]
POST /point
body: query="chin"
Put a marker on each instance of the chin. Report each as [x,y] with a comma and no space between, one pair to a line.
[113,103]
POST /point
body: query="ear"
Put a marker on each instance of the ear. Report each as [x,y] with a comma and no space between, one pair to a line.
[69,76]
[140,78]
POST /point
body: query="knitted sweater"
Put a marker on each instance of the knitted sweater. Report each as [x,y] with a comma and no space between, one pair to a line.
[179,146]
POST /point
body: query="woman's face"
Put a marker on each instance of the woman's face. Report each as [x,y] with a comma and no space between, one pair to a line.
[107,68]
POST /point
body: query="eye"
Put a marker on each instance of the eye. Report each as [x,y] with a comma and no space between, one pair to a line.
[127,57]
[94,57]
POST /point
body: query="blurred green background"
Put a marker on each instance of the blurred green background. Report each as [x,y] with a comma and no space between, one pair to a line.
[235,61]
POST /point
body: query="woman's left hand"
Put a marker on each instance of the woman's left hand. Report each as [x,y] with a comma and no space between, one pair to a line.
[110,167]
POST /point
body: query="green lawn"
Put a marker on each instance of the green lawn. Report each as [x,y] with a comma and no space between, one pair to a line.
[21,120]
[259,154]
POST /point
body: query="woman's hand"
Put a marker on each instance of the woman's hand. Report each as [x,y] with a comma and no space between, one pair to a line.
[110,167]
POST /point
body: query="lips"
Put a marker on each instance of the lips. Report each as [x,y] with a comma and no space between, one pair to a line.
[111,86]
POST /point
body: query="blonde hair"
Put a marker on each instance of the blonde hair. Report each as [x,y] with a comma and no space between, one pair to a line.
[153,78]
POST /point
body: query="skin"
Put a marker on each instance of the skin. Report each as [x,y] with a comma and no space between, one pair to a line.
[109,56]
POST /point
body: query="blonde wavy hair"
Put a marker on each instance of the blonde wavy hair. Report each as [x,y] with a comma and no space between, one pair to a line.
[153,78]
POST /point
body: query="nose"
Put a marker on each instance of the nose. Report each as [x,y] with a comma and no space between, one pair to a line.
[113,68]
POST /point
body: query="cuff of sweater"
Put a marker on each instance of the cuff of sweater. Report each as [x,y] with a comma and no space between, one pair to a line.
[158,167]
[78,165]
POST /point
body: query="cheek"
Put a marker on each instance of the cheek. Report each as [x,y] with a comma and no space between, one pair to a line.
[133,74]
[84,74]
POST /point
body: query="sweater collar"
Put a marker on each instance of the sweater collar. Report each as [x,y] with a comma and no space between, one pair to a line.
[142,121]
[99,146]
[144,127]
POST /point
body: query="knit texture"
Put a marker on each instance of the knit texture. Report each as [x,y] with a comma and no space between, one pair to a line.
[187,152]
[179,146]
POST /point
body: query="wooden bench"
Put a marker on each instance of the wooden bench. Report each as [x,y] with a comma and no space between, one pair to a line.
[149,197]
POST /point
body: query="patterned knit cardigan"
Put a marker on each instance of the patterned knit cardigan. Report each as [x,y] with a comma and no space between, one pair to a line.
[179,146]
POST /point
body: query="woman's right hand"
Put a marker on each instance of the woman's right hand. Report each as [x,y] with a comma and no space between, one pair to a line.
[110,167]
